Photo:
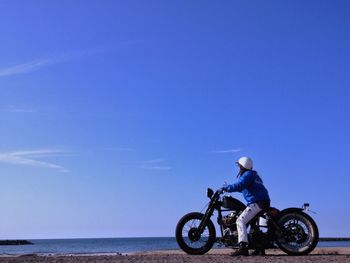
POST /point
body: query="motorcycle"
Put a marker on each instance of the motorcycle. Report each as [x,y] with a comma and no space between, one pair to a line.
[292,230]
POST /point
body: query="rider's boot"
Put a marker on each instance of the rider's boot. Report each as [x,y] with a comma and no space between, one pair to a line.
[258,252]
[242,251]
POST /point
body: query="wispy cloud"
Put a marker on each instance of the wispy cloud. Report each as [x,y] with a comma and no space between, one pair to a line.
[29,158]
[24,67]
[16,109]
[39,63]
[39,153]
[226,151]
[156,164]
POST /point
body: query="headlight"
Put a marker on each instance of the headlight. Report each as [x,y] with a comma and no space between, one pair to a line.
[210,192]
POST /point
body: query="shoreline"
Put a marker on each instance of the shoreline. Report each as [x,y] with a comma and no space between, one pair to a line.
[214,251]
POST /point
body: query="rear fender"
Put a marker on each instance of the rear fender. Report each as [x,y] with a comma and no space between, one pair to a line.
[291,210]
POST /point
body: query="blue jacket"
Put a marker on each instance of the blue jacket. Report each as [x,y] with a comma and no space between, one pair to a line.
[251,186]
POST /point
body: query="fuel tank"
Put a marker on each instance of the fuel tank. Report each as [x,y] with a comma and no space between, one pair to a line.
[232,203]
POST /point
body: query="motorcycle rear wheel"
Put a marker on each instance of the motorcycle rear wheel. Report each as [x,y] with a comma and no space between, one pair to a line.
[190,239]
[300,233]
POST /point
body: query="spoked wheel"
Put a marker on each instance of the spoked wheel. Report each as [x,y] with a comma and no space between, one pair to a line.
[300,233]
[190,239]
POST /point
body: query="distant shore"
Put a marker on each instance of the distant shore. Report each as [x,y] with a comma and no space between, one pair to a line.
[334,239]
[323,255]
[14,242]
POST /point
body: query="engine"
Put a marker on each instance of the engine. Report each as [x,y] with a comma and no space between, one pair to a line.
[229,228]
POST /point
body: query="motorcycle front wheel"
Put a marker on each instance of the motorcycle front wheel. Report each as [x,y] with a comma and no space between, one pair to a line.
[300,233]
[189,237]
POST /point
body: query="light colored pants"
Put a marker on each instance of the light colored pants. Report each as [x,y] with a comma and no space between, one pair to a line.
[242,221]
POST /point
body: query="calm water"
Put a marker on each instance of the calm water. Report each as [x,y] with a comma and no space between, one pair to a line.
[109,245]
[91,246]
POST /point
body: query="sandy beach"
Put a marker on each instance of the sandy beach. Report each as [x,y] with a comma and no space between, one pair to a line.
[172,256]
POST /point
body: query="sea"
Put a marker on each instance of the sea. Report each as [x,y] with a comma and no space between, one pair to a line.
[108,246]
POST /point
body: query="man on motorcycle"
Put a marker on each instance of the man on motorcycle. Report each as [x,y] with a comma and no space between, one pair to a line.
[251,186]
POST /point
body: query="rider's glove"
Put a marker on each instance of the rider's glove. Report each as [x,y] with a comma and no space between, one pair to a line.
[224,188]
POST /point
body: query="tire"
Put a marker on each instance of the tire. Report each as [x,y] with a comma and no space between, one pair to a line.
[189,240]
[300,233]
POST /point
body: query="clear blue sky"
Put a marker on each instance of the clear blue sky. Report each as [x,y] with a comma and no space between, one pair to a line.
[117,115]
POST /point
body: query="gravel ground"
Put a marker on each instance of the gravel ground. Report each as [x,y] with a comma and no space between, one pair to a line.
[178,258]
[319,255]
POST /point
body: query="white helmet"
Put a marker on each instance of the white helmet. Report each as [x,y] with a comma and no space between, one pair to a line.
[246,163]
